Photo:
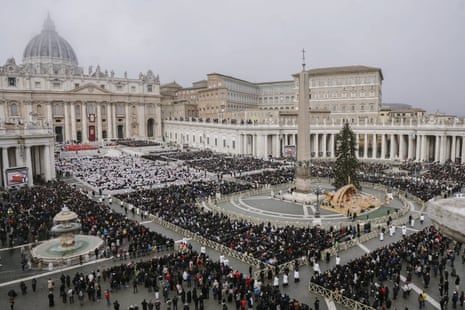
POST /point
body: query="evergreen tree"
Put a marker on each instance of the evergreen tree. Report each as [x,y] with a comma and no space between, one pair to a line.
[346,170]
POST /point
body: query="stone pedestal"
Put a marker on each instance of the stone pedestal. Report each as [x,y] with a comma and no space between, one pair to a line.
[448,215]
[303,179]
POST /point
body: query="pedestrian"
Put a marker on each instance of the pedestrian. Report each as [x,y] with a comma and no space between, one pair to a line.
[116,305]
[11,297]
[316,304]
[422,218]
[51,300]
[34,284]
[71,295]
[106,295]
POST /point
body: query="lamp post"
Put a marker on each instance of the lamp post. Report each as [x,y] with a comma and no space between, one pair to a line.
[318,191]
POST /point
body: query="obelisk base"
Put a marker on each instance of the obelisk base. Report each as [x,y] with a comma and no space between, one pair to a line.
[303,179]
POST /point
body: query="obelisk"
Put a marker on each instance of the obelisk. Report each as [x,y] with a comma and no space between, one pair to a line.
[303,168]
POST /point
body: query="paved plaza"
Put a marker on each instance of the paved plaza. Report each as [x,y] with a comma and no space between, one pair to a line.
[262,206]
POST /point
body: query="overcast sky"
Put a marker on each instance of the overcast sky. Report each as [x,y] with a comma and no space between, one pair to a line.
[418,44]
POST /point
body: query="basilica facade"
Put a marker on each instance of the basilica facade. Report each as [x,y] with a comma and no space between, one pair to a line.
[48,98]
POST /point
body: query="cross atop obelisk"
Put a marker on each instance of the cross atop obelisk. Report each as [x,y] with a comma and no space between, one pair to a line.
[303,59]
[303,169]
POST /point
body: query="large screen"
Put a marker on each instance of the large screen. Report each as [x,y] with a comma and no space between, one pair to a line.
[16,176]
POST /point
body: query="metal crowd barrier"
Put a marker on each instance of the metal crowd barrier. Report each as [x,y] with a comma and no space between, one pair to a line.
[338,297]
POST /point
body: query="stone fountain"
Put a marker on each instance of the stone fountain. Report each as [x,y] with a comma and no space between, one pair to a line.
[68,245]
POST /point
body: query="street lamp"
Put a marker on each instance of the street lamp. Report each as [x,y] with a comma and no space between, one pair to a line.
[318,191]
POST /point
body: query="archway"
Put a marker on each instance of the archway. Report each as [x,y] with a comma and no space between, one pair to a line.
[59,134]
[150,127]
[120,132]
[79,136]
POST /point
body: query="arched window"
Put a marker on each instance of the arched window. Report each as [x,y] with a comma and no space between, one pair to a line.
[90,109]
[57,109]
[102,109]
[77,109]
[14,111]
[119,109]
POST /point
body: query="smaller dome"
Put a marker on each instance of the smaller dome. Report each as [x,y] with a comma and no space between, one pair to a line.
[49,47]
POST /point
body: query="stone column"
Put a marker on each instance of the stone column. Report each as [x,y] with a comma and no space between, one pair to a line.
[437,148]
[48,106]
[5,161]
[410,147]
[316,143]
[324,147]
[99,122]
[333,145]
[127,120]
[254,144]
[67,124]
[391,147]
[374,143]
[141,120]
[277,145]
[84,129]
[46,160]
[453,154]
[423,147]
[418,148]
[109,121]
[28,163]
[73,121]
[115,126]
[442,155]
[365,146]
[401,147]
[383,146]
[463,150]
[357,141]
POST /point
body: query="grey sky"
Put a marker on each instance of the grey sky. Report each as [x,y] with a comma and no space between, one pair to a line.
[419,44]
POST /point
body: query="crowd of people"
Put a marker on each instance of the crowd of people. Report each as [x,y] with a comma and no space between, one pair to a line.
[375,278]
[34,209]
[109,174]
[270,244]
[363,279]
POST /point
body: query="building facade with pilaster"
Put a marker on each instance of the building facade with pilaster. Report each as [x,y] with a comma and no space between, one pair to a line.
[48,98]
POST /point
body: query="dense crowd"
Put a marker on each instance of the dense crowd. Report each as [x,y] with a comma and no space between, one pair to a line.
[270,244]
[272,176]
[34,209]
[180,280]
[126,172]
[137,143]
[426,254]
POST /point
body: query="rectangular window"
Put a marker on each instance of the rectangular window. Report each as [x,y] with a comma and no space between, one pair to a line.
[234,145]
[12,81]
[76,85]
[149,88]
[133,89]
[56,85]
[119,87]
[216,142]
[37,84]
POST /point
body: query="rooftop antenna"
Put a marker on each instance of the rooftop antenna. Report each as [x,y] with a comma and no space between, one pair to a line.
[303,59]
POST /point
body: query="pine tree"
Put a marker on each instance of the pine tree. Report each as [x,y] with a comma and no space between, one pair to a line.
[346,170]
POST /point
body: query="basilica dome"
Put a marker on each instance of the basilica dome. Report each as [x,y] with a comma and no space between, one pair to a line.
[49,48]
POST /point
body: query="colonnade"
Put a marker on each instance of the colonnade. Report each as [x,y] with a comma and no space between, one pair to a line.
[421,143]
[39,159]
[90,121]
